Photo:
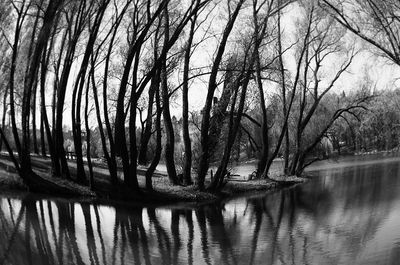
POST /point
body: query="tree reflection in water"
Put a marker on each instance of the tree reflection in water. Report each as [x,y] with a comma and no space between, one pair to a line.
[337,219]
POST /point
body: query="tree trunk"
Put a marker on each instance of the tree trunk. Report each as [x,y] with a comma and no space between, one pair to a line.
[263,156]
[56,170]
[119,132]
[144,140]
[219,109]
[238,149]
[42,140]
[13,65]
[290,103]
[146,135]
[110,162]
[61,91]
[169,129]
[55,153]
[217,180]
[43,36]
[296,157]
[78,91]
[187,165]
[3,119]
[234,125]
[212,85]
[34,89]
[133,181]
[284,92]
[157,155]
[33,107]
[89,159]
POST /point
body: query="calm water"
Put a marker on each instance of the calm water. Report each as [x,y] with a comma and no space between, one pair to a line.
[348,215]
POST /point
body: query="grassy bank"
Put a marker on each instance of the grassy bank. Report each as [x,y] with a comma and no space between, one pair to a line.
[163,193]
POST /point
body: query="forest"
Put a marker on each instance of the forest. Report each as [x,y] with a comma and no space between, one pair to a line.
[195,85]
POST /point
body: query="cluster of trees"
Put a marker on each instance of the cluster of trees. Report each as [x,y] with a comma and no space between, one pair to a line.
[370,131]
[114,64]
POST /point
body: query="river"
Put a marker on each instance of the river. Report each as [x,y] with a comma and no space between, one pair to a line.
[348,214]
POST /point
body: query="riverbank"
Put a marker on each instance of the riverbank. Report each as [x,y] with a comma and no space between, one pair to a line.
[163,194]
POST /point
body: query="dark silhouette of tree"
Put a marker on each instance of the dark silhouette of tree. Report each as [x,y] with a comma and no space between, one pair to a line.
[187,166]
[212,85]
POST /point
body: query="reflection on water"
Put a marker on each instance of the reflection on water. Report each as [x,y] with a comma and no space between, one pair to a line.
[347,216]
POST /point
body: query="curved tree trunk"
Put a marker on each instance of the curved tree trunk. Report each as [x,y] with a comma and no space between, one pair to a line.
[234,124]
[78,90]
[157,155]
[263,156]
[212,85]
[290,102]
[45,122]
[43,36]
[119,132]
[187,165]
[144,140]
[146,135]
[111,163]
[88,156]
[72,37]
[169,129]
[133,181]
[33,107]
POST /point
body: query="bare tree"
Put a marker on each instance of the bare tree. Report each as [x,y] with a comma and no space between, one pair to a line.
[169,129]
[24,166]
[212,85]
[187,166]
[376,22]
[294,85]
[76,17]
[140,33]
[154,84]
[94,27]
[157,155]
[21,10]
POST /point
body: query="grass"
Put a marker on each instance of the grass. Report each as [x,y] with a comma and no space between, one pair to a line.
[11,181]
[163,193]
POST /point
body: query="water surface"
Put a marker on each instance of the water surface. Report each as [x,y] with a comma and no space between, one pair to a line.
[349,214]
